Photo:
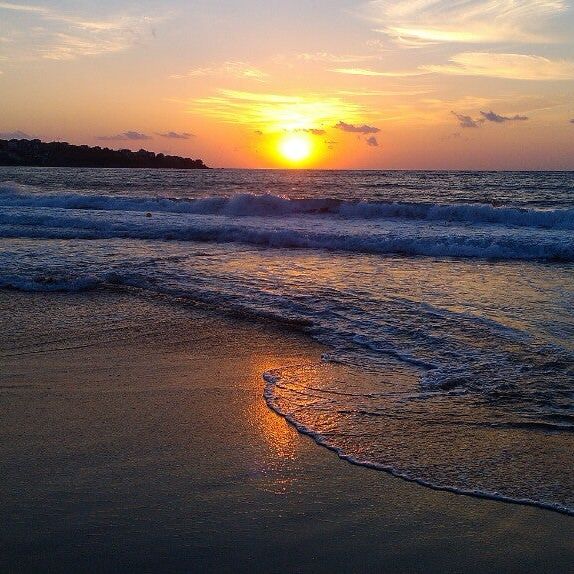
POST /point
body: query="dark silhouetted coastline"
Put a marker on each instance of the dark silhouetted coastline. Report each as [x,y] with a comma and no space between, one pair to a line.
[30,153]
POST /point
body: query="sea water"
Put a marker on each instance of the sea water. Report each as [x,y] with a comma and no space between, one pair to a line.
[445,299]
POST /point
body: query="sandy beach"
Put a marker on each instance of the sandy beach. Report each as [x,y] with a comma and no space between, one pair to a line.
[135,438]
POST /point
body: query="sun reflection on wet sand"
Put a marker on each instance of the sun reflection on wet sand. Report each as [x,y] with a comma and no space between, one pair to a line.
[281,441]
[275,431]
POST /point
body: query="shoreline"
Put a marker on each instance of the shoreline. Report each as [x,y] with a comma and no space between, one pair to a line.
[136,436]
[394,473]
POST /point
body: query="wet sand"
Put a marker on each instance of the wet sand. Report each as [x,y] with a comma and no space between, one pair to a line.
[134,438]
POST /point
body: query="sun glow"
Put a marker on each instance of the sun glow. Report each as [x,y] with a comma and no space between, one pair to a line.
[295,148]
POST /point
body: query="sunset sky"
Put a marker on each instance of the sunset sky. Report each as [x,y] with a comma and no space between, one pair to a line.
[427,84]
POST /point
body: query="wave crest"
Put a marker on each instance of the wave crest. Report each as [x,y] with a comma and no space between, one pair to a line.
[268,205]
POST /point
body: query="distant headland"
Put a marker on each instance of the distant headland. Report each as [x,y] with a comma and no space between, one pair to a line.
[35,153]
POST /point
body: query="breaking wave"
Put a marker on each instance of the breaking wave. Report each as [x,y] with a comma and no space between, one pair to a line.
[267,205]
[403,240]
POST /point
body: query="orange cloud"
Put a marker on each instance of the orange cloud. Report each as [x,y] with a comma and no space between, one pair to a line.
[275,112]
[509,66]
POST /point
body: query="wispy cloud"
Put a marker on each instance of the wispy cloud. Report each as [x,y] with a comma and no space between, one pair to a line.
[382,93]
[329,58]
[465,121]
[126,136]
[269,112]
[372,141]
[175,135]
[424,22]
[231,69]
[315,131]
[498,119]
[23,7]
[376,73]
[69,47]
[364,129]
[50,34]
[509,66]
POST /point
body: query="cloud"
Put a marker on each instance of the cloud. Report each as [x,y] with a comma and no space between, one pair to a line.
[375,73]
[44,33]
[466,121]
[70,47]
[315,131]
[509,66]
[23,8]
[232,68]
[326,57]
[372,141]
[175,135]
[572,121]
[269,112]
[126,136]
[498,119]
[364,129]
[415,23]
[382,93]
[17,135]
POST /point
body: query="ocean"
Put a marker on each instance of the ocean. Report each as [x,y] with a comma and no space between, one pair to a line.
[445,300]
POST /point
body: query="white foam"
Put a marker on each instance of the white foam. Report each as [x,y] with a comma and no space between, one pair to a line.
[273,379]
[267,205]
[359,236]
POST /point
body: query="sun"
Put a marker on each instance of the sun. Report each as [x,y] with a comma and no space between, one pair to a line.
[295,148]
